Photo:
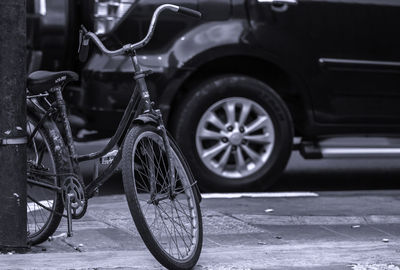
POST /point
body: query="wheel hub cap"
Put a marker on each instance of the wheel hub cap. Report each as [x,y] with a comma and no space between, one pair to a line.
[235,137]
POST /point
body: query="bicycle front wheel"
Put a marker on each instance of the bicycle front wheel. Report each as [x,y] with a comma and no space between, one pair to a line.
[169,223]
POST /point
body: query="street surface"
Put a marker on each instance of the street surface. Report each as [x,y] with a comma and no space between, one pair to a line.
[322,214]
[323,230]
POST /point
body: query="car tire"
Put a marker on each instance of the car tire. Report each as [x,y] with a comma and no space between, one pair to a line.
[231,170]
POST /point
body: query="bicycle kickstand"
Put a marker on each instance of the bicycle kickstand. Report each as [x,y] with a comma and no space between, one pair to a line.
[70,196]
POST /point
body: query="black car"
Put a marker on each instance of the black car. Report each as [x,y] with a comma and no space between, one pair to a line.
[238,85]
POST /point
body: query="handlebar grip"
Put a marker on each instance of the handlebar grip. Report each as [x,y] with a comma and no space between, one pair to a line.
[83,29]
[189,12]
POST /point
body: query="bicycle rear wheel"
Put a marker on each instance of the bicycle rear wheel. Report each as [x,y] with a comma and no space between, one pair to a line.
[170,226]
[44,202]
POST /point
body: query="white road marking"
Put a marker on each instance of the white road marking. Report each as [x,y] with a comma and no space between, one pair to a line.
[32,206]
[258,195]
[380,266]
[271,219]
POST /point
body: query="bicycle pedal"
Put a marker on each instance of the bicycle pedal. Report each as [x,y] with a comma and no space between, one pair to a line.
[108,158]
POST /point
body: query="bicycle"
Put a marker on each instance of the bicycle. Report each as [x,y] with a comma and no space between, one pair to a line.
[162,195]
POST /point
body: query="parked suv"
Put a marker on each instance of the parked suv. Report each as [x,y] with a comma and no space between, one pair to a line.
[238,85]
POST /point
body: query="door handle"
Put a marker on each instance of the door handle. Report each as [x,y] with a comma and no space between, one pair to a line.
[279,5]
[279,2]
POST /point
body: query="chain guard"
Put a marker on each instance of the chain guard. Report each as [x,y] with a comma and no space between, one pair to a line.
[73,185]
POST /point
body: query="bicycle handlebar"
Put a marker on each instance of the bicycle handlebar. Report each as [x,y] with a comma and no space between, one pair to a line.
[85,36]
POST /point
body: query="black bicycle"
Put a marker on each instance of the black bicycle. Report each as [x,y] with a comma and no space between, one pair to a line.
[162,195]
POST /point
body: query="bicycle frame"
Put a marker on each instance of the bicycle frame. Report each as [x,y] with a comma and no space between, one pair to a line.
[140,108]
[167,213]
[131,112]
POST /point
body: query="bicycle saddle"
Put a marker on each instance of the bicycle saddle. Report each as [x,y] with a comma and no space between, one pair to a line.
[41,81]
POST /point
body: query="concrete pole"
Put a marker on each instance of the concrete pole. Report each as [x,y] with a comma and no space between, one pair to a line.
[12,125]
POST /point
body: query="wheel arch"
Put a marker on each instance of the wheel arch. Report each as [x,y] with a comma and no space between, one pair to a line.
[265,70]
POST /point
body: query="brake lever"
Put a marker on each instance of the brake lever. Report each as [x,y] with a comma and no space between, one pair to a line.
[83,28]
[83,49]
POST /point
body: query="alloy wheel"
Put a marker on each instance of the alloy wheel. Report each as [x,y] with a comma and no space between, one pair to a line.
[235,137]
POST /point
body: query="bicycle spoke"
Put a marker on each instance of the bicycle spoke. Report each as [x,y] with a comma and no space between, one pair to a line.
[157,167]
[166,227]
[183,211]
[164,185]
[182,224]
[173,221]
[146,158]
[172,224]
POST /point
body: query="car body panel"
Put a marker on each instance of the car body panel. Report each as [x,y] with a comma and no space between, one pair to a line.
[340,56]
[346,52]
[172,63]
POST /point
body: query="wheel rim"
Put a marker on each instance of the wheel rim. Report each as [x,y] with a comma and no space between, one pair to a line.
[41,201]
[172,222]
[235,137]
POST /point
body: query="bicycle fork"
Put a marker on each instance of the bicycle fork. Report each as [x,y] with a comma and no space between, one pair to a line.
[171,168]
[148,108]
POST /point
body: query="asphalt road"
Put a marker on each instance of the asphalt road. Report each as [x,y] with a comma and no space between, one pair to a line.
[301,174]
[339,174]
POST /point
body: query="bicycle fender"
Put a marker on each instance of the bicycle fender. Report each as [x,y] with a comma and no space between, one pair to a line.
[145,119]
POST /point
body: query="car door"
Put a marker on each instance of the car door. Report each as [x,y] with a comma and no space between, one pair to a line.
[347,52]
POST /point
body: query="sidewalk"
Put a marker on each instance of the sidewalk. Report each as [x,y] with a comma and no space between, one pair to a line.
[336,230]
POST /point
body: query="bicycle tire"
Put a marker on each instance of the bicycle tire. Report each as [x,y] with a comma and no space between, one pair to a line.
[44,203]
[139,144]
